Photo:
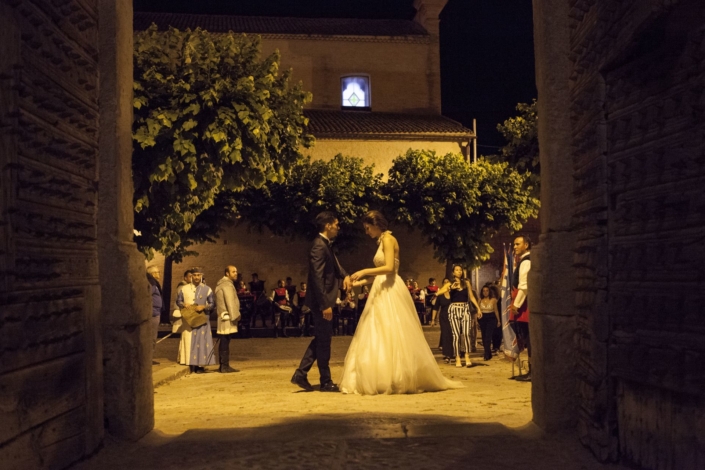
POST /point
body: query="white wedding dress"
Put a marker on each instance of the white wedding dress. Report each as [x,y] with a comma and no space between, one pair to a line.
[389,353]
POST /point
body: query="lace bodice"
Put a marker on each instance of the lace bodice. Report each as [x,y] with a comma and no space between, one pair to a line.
[378,260]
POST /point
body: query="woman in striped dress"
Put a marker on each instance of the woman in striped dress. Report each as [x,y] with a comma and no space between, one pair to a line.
[459,313]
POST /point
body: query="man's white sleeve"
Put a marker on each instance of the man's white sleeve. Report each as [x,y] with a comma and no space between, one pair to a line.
[523,286]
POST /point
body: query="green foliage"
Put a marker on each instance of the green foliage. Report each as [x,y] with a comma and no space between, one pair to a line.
[458,207]
[344,185]
[522,148]
[210,116]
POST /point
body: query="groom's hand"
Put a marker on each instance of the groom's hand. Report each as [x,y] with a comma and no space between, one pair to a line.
[347,283]
[328,313]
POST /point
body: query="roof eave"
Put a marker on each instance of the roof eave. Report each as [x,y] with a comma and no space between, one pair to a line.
[439,137]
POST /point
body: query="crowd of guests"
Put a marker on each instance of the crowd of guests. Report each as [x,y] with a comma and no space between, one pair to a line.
[236,306]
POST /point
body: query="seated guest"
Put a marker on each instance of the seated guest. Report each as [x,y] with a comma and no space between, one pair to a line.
[303,312]
[430,293]
[347,313]
[290,289]
[410,286]
[282,309]
[258,308]
[419,301]
[247,301]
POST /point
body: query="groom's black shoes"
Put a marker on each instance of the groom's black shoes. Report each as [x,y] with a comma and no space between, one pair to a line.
[302,382]
[329,387]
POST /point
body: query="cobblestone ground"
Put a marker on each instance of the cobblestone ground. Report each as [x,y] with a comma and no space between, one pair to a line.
[256,419]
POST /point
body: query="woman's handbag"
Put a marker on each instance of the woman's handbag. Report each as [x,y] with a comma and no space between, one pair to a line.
[192,317]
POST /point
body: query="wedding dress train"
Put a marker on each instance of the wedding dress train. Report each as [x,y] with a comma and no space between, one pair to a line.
[389,353]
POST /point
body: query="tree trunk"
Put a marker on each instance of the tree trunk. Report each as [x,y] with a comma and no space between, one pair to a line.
[449,269]
[166,289]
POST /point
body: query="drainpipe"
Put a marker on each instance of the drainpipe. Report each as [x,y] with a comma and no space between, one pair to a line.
[474,160]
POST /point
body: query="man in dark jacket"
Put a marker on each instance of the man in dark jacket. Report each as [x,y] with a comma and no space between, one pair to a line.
[324,276]
[158,304]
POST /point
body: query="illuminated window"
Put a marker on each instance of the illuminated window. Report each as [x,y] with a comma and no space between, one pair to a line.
[355,91]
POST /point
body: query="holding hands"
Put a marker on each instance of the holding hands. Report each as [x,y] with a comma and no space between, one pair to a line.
[359,275]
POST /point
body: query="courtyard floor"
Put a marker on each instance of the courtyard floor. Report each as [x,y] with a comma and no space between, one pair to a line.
[256,419]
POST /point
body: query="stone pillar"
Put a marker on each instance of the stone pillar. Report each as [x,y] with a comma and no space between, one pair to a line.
[126,310]
[427,13]
[552,279]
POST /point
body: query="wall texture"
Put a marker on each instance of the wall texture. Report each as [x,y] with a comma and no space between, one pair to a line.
[636,82]
[50,348]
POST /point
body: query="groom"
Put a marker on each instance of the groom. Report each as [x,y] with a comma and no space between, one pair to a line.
[324,275]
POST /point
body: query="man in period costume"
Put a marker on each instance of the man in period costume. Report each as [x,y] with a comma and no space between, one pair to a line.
[196,346]
[519,308]
[158,304]
[227,307]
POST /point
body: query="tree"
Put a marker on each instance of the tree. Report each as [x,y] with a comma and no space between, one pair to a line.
[210,117]
[522,148]
[344,185]
[457,206]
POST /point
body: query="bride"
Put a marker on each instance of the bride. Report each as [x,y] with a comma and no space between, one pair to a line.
[389,353]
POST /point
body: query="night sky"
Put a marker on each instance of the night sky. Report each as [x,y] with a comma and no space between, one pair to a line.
[487,52]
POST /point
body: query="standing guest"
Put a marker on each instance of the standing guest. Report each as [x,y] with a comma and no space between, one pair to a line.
[459,313]
[519,308]
[196,346]
[282,309]
[430,293]
[347,313]
[446,340]
[497,334]
[228,310]
[246,305]
[419,296]
[158,304]
[257,291]
[489,319]
[304,313]
[290,289]
[410,286]
[177,324]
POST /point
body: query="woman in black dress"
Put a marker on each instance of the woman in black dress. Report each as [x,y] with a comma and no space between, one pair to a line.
[446,341]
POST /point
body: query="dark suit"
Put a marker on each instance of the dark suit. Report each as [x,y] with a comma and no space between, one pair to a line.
[324,276]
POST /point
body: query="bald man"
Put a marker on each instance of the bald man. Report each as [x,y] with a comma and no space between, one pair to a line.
[228,309]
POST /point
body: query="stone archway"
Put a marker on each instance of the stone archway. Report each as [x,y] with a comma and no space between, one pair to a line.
[613,289]
[74,306]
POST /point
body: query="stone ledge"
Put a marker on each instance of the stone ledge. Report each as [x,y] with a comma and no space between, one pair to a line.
[169,374]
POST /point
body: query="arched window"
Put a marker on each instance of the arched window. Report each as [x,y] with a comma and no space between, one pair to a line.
[355,91]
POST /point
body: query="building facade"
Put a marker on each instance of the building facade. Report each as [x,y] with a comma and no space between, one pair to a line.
[376,94]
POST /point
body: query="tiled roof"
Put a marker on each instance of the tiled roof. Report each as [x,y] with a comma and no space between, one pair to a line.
[366,125]
[279,25]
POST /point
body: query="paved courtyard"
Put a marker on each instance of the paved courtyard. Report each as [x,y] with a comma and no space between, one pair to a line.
[257,419]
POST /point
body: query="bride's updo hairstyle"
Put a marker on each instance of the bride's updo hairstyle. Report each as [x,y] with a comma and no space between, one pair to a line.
[377,219]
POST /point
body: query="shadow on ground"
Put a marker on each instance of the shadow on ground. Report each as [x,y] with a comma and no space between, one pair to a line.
[352,442]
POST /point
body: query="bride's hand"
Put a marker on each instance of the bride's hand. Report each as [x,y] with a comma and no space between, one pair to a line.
[358,275]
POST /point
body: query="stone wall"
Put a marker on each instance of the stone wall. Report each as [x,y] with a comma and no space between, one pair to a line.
[61,230]
[636,81]
[379,153]
[50,346]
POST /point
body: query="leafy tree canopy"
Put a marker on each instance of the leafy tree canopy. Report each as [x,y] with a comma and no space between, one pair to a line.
[522,148]
[457,206]
[344,185]
[209,116]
